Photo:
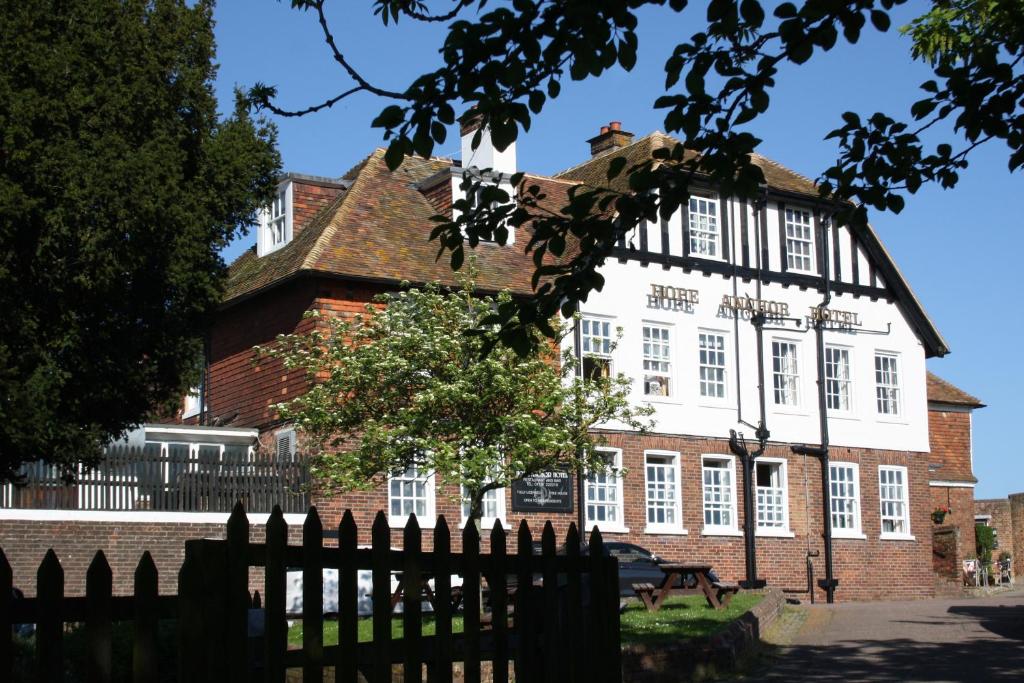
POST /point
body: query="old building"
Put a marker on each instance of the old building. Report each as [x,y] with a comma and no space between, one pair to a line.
[951,463]
[727,317]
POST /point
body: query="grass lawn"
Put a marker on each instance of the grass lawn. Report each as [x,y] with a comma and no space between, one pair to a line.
[680,618]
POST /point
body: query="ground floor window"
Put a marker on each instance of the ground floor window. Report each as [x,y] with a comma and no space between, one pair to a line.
[604,492]
[661,472]
[411,492]
[892,495]
[719,477]
[844,492]
[772,498]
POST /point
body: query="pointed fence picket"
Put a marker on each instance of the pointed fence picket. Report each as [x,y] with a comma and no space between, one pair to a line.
[554,614]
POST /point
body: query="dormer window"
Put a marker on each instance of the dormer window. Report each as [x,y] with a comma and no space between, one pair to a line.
[276,222]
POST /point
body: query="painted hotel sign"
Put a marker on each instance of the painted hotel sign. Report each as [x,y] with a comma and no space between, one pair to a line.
[543,492]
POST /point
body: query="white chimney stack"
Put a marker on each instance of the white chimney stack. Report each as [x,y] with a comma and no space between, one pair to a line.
[486,155]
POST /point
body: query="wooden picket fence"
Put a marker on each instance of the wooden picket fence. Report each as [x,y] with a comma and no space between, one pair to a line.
[561,623]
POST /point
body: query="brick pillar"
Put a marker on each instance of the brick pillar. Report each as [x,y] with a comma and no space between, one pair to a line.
[1017,532]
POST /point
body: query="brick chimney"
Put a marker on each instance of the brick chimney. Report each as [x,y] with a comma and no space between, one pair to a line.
[611,138]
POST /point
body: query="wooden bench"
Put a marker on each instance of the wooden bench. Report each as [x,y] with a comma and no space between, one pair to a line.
[645,591]
[725,591]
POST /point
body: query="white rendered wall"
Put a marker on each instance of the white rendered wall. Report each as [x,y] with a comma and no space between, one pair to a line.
[624,300]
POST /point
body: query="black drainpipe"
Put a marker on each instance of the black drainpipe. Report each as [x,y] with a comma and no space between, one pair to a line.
[829,583]
[577,343]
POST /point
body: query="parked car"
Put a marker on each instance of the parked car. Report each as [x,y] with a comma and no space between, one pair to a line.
[640,565]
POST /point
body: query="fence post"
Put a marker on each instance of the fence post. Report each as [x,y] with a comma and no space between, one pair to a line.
[236,586]
[471,602]
[99,583]
[380,557]
[553,635]
[347,664]
[525,663]
[597,662]
[145,663]
[499,602]
[191,628]
[313,598]
[574,617]
[6,622]
[274,589]
[213,564]
[412,666]
[442,672]
[614,646]
[49,620]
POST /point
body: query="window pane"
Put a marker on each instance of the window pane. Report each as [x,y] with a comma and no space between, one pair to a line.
[703,223]
[712,364]
[657,356]
[799,240]
[785,373]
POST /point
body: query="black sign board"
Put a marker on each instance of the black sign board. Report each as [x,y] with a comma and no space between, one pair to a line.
[543,492]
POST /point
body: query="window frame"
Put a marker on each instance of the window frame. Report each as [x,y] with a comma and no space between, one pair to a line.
[797,377]
[486,522]
[285,431]
[850,374]
[670,376]
[675,465]
[855,531]
[731,529]
[809,241]
[783,530]
[897,361]
[192,403]
[608,355]
[726,368]
[619,526]
[906,534]
[708,236]
[430,516]
[264,244]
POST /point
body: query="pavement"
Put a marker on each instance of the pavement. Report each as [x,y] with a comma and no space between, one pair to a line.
[970,639]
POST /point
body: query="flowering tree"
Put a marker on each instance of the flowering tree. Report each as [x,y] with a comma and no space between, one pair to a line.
[408,385]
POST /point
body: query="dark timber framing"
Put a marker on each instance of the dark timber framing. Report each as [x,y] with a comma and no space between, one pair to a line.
[838,269]
[744,238]
[784,255]
[684,213]
[765,263]
[665,244]
[716,267]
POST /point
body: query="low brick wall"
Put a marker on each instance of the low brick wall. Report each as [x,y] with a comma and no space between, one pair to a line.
[663,662]
[946,561]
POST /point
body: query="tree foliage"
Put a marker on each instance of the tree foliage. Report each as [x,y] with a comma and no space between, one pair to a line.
[406,384]
[119,186]
[507,60]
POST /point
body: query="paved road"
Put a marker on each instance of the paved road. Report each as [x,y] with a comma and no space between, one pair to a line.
[979,639]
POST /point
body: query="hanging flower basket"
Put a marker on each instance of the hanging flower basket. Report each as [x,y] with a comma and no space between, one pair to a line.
[939,514]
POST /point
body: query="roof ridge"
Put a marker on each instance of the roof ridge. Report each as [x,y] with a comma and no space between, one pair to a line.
[330,228]
[776,164]
[615,151]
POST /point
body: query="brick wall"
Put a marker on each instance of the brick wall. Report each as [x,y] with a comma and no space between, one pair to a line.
[780,560]
[25,543]
[949,434]
[961,501]
[946,560]
[309,199]
[1002,521]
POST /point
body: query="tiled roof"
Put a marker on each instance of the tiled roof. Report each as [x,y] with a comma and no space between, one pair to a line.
[378,229]
[594,171]
[941,391]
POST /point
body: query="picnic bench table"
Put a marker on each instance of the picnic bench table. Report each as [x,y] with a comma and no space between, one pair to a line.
[428,592]
[717,593]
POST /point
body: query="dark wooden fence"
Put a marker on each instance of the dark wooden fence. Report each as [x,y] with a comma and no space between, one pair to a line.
[549,617]
[176,478]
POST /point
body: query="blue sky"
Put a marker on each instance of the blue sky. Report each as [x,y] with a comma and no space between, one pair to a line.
[959,249]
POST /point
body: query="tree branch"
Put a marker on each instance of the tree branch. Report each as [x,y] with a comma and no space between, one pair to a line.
[340,59]
[315,108]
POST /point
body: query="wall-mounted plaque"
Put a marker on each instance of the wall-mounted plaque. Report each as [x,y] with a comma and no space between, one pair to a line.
[543,492]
